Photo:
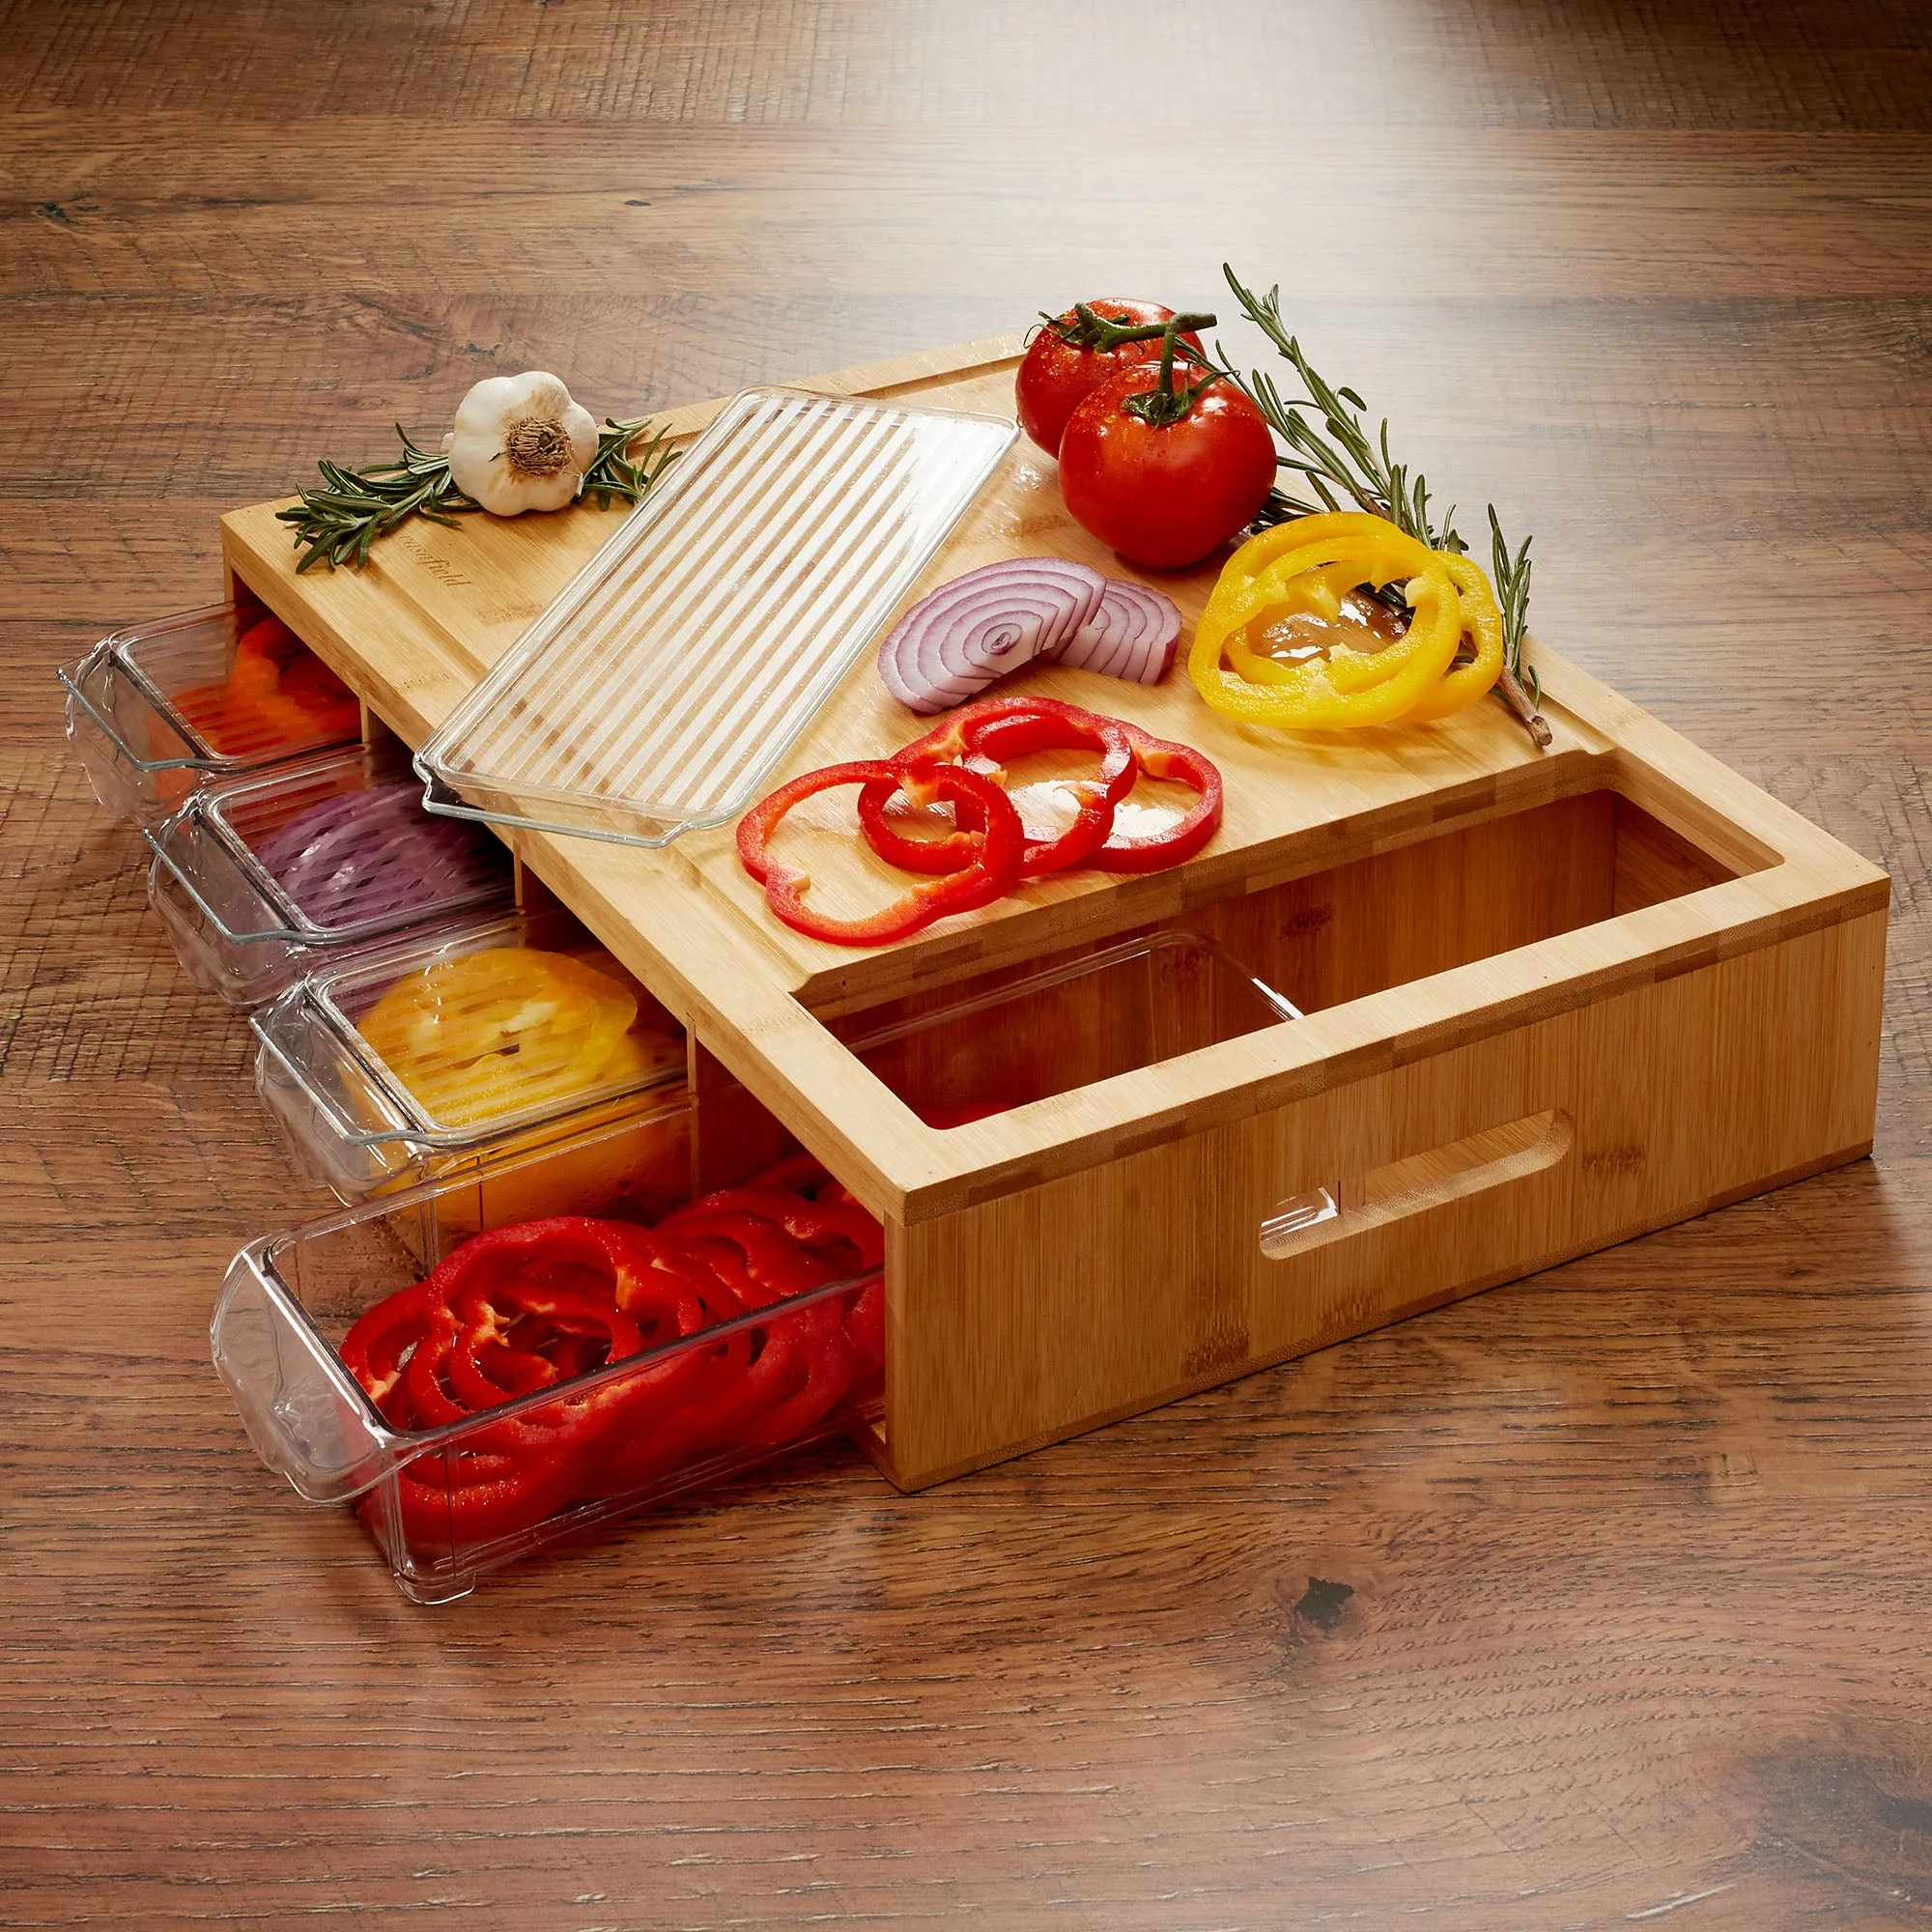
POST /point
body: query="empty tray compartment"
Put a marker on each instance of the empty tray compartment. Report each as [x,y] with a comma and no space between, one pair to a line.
[1453,897]
[960,1056]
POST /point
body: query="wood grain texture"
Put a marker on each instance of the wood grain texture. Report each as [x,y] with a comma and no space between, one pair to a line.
[1595,1596]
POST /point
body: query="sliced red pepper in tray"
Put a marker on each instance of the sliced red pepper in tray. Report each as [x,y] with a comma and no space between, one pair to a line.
[534,1305]
[992,869]
[821,1226]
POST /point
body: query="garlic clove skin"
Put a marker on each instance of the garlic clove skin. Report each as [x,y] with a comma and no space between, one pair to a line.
[521,444]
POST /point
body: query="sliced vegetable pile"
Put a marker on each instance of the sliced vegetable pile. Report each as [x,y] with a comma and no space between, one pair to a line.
[491,1033]
[277,693]
[955,640]
[1166,468]
[989,851]
[536,1304]
[1305,569]
[375,853]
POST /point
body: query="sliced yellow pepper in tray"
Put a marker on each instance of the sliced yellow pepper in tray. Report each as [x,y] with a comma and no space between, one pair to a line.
[510,1031]
[1309,566]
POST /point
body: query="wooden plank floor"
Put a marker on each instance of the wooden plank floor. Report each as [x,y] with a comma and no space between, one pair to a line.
[1599,1600]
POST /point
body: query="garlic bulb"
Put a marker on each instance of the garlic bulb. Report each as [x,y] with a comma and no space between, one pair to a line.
[519,444]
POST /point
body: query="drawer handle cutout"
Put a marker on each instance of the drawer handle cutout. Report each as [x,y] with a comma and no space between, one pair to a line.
[1429,1180]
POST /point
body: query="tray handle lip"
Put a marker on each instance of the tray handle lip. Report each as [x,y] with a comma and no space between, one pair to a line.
[160,838]
[118,645]
[312,1013]
[282,917]
[74,677]
[315,1479]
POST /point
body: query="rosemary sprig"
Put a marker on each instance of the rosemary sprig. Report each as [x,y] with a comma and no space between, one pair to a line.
[1342,456]
[612,474]
[1520,688]
[338,523]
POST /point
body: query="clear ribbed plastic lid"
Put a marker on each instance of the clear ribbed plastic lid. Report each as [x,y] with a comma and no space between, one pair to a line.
[660,691]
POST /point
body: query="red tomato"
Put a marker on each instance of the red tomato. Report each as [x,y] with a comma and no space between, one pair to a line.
[1057,376]
[1165,496]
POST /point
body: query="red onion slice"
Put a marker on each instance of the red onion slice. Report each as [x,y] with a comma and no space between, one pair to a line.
[374,853]
[957,640]
[1133,634]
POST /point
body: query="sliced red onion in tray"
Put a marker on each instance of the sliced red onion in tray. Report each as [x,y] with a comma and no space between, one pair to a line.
[959,639]
[1131,635]
[374,854]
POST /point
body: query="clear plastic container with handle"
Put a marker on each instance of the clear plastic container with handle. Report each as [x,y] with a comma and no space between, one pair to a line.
[447,1045]
[476,1401]
[261,878]
[154,710]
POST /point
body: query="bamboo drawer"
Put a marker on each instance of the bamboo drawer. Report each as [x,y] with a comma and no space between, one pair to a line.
[1513,1004]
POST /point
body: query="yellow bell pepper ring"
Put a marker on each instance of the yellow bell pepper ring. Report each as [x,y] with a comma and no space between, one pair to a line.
[1308,566]
[1355,688]
[1333,529]
[1467,682]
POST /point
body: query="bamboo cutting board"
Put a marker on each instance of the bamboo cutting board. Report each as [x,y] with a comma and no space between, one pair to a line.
[436,602]
[1552,998]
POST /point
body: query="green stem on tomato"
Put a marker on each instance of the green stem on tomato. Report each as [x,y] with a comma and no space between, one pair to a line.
[1093,331]
[1163,407]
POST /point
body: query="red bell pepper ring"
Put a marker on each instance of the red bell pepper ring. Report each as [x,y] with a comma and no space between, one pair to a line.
[462,1498]
[998,729]
[829,1361]
[485,1366]
[805,1174]
[376,1351]
[1154,851]
[776,1265]
[673,1294]
[821,1226]
[466,1360]
[865,1331]
[798,1172]
[757,1368]
[984,879]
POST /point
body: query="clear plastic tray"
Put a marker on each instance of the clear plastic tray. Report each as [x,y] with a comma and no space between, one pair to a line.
[154,710]
[964,1055]
[288,1300]
[662,688]
[1069,1025]
[473,1077]
[259,879]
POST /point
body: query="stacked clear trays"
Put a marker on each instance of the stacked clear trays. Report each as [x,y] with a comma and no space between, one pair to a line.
[491,1411]
[258,879]
[419,1055]
[661,689]
[154,710]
